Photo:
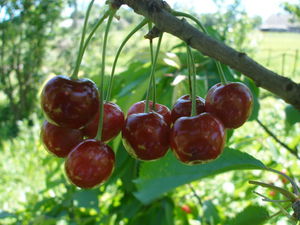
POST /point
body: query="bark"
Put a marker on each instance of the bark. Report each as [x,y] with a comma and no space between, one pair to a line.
[161,16]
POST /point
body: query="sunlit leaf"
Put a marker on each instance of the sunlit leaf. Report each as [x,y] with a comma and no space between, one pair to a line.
[163,175]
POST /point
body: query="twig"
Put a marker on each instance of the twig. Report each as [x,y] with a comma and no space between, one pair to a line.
[292,151]
[266,199]
[196,195]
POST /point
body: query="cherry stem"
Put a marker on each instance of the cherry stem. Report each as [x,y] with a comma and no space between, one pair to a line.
[265,198]
[192,70]
[291,196]
[218,64]
[153,77]
[75,72]
[295,186]
[279,212]
[100,125]
[283,210]
[110,85]
[152,73]
[189,74]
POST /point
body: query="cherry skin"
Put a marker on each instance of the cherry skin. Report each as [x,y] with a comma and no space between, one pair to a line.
[231,103]
[113,121]
[186,209]
[90,163]
[163,110]
[197,139]
[146,136]
[60,140]
[183,107]
[69,103]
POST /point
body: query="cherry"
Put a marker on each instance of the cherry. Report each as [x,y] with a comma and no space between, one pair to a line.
[186,209]
[163,110]
[146,136]
[231,103]
[113,121]
[183,107]
[59,140]
[90,163]
[70,103]
[197,139]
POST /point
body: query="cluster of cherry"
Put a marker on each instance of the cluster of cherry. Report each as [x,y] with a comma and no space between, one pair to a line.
[71,107]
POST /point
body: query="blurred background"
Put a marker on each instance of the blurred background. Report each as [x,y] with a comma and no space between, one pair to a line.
[40,39]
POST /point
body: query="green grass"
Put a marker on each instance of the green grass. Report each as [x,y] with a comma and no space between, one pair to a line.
[277,51]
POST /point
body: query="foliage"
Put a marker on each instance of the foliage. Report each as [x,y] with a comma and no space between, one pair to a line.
[25,28]
[293,9]
[35,191]
[233,24]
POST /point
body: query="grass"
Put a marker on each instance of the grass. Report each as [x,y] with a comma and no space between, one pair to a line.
[277,51]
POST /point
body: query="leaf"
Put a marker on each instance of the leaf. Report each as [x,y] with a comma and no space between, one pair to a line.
[163,175]
[251,215]
[4,214]
[292,116]
[171,59]
[229,133]
[87,198]
[158,213]
[255,92]
[211,214]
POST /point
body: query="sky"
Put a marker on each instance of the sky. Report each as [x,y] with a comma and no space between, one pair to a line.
[263,8]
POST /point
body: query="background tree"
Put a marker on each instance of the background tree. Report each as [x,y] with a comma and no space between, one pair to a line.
[34,189]
[25,27]
[293,9]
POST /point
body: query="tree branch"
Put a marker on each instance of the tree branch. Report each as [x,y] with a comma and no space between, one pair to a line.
[159,14]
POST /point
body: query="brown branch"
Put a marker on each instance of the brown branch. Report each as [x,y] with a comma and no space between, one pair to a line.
[158,13]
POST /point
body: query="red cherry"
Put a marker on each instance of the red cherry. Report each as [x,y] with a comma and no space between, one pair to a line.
[197,139]
[163,110]
[113,122]
[90,163]
[146,136]
[231,103]
[186,209]
[59,140]
[183,107]
[70,103]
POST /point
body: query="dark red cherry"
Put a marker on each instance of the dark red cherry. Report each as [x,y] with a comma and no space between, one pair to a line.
[70,103]
[183,107]
[231,103]
[197,139]
[60,140]
[90,163]
[163,110]
[146,136]
[113,122]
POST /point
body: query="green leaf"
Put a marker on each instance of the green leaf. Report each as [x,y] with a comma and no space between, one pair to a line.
[163,175]
[251,215]
[158,213]
[255,92]
[211,214]
[4,214]
[172,60]
[292,116]
[87,198]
